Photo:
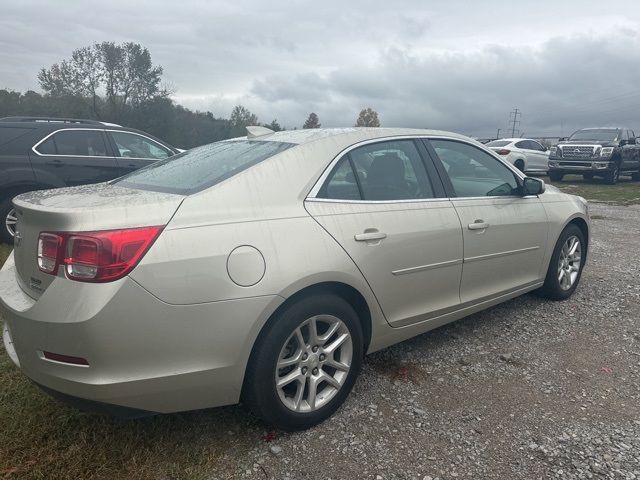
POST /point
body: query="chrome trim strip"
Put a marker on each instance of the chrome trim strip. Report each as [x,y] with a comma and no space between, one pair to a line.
[318,185]
[422,268]
[442,314]
[33,149]
[499,254]
[366,202]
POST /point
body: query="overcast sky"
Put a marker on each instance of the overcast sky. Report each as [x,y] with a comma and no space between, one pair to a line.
[455,65]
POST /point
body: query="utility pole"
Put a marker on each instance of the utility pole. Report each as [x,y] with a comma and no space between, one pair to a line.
[498,134]
[513,121]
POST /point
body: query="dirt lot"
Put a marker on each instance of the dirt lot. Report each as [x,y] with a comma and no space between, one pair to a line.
[528,389]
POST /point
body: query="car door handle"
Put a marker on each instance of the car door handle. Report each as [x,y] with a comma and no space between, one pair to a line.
[56,162]
[478,225]
[369,236]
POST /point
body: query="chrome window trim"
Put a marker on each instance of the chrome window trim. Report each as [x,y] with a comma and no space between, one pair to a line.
[312,196]
[97,156]
[376,202]
[64,130]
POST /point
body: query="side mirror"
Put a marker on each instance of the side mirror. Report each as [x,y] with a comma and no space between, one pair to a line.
[632,141]
[623,142]
[532,186]
[562,139]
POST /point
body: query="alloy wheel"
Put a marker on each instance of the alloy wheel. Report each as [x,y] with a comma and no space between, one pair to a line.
[314,363]
[569,262]
[11,221]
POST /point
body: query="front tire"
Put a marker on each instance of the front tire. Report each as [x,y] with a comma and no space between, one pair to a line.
[587,176]
[565,267]
[613,175]
[305,362]
[555,176]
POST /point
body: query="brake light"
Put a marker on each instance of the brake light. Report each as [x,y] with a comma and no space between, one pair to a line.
[101,256]
[503,151]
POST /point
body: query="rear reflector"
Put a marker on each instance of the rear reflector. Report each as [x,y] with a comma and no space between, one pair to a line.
[503,151]
[101,256]
[48,251]
[56,357]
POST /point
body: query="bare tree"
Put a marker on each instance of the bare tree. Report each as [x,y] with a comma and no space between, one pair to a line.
[124,74]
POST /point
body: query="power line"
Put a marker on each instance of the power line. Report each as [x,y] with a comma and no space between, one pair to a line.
[513,121]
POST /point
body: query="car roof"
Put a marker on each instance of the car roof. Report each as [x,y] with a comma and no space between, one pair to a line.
[603,128]
[52,124]
[513,139]
[305,136]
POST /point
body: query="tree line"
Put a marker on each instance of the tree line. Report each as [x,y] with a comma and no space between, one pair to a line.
[120,84]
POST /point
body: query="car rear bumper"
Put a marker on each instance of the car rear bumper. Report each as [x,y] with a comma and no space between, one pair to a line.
[142,353]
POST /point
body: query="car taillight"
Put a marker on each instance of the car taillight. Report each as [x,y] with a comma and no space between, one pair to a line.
[101,256]
[48,252]
[503,151]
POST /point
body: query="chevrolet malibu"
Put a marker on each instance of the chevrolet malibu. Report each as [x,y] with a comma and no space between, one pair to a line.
[261,269]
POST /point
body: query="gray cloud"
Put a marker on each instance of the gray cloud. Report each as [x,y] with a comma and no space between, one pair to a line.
[444,64]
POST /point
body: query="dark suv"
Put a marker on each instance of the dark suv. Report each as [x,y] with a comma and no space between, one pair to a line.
[596,152]
[39,153]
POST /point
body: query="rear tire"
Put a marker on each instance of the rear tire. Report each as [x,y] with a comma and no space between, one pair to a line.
[555,176]
[565,267]
[7,221]
[288,340]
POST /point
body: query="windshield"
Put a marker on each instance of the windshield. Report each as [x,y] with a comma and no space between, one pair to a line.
[202,167]
[499,143]
[597,134]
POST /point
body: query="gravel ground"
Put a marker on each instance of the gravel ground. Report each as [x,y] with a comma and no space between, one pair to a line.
[527,389]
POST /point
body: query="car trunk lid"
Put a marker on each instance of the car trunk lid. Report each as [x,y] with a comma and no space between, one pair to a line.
[80,209]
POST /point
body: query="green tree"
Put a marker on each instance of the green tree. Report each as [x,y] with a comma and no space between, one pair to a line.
[241,118]
[312,121]
[274,125]
[124,73]
[368,118]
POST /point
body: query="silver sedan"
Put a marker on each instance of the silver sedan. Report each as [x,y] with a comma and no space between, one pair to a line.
[261,269]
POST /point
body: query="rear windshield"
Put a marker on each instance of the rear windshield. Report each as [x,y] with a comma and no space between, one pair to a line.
[202,167]
[597,134]
[499,143]
[11,133]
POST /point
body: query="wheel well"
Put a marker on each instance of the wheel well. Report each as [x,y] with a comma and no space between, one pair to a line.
[346,292]
[519,161]
[584,228]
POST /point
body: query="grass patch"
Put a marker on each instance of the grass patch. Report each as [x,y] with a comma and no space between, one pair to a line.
[43,438]
[625,192]
[5,250]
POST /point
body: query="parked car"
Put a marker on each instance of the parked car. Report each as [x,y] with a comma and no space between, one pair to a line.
[40,152]
[596,152]
[525,154]
[263,268]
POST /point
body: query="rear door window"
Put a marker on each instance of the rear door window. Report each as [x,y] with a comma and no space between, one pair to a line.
[383,171]
[202,167]
[75,143]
